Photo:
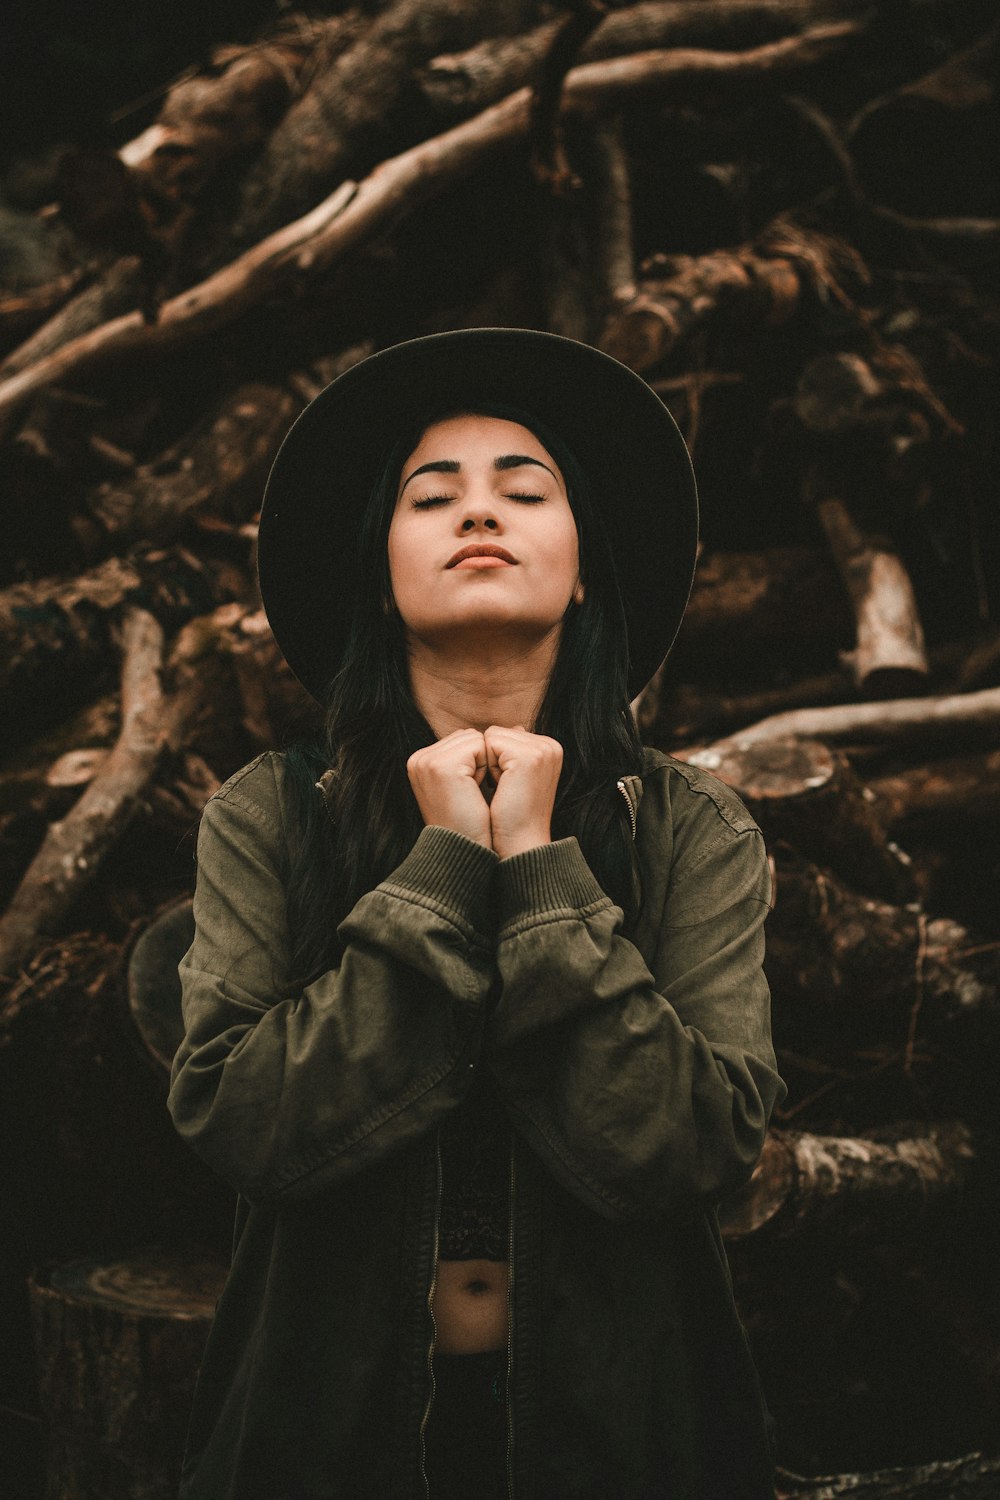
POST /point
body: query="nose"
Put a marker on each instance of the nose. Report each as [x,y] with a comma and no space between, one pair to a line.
[478,511]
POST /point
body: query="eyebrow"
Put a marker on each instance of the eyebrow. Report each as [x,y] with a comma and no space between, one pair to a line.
[452,466]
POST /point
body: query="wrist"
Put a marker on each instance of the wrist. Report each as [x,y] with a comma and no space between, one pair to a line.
[521,842]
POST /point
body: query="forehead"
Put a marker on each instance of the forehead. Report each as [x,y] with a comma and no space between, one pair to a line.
[475,433]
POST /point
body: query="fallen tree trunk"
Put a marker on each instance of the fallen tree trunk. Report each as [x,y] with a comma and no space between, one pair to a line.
[74,848]
[946,796]
[902,721]
[832,951]
[461,82]
[116,292]
[744,617]
[352,214]
[868,1186]
[222,466]
[803,794]
[55,634]
[889,659]
[974,1477]
[643,332]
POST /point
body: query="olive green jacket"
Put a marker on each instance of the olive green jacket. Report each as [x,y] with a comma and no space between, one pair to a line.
[637,1074]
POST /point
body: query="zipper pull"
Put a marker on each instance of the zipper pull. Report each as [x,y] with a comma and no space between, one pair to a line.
[628,803]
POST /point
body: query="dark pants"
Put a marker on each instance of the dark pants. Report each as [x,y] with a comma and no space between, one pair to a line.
[466,1435]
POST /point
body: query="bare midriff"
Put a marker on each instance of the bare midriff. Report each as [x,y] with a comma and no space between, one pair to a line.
[470,1306]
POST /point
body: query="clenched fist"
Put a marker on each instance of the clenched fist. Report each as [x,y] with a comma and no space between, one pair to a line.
[525,768]
[446,778]
[451,779]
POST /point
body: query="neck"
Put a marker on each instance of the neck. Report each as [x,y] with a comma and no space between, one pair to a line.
[496,683]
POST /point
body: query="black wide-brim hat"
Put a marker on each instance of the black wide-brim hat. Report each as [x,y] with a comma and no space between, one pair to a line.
[617,428]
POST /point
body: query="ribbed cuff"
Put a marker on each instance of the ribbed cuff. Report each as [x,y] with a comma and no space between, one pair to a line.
[546,879]
[446,869]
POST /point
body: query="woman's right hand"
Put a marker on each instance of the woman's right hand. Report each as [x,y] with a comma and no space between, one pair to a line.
[446,778]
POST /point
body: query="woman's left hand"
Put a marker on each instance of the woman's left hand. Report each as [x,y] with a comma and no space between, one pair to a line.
[526,770]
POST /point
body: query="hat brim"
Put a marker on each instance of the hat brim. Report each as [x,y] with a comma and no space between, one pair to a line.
[619,430]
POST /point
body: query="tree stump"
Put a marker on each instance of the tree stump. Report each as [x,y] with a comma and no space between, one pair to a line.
[807,795]
[117,1348]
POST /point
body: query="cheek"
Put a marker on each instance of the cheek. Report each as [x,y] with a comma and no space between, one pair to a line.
[564,551]
[398,553]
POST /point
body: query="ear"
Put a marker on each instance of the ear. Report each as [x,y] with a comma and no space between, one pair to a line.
[578,592]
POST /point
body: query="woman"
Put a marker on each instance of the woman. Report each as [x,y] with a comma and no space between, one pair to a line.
[475,1018]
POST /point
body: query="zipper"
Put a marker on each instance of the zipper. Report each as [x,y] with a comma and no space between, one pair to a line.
[510,1332]
[430,1308]
[628,802]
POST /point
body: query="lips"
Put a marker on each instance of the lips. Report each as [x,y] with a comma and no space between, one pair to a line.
[480,549]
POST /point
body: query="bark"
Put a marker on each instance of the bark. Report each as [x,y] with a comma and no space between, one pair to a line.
[474,79]
[949,796]
[835,952]
[974,1477]
[74,849]
[806,795]
[222,466]
[21,312]
[854,1186]
[743,621]
[345,120]
[118,1346]
[352,214]
[115,293]
[614,255]
[663,313]
[905,721]
[926,148]
[26,776]
[889,659]
[56,634]
[586,232]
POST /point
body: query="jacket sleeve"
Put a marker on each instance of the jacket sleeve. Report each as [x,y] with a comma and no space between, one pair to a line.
[643,1092]
[283,1091]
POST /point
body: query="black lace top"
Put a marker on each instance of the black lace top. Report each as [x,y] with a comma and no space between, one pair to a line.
[475,1177]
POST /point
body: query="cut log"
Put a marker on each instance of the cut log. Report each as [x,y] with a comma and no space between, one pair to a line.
[946,797]
[24,775]
[612,191]
[974,1477]
[56,634]
[685,713]
[357,101]
[889,659]
[664,312]
[74,849]
[806,795]
[903,721]
[23,311]
[743,623]
[872,1187]
[546,153]
[836,953]
[459,83]
[114,293]
[310,245]
[925,149]
[223,465]
[118,1345]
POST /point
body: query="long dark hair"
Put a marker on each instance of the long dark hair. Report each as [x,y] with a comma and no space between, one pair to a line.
[353,837]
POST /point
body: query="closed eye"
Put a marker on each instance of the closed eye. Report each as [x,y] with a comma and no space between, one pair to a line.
[518,495]
[426,501]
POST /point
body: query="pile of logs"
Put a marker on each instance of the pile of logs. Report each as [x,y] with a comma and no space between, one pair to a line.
[779,212]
